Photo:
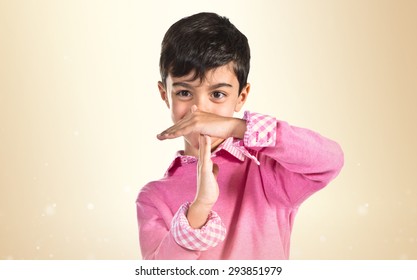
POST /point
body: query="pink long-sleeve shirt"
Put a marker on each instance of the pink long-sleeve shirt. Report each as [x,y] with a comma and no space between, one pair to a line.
[263,179]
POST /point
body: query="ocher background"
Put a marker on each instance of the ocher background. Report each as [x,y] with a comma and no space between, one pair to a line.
[79,111]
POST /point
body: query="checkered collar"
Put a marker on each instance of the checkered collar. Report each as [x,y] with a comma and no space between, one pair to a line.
[231,145]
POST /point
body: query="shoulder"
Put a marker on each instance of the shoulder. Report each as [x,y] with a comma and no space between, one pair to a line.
[150,189]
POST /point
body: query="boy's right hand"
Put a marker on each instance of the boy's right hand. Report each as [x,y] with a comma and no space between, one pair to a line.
[207,186]
[200,122]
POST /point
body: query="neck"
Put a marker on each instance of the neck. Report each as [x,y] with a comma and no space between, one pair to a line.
[190,150]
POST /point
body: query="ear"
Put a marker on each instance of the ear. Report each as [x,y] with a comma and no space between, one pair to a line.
[243,96]
[163,93]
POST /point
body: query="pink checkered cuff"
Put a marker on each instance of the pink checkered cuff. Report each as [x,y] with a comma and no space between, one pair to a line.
[210,235]
[260,130]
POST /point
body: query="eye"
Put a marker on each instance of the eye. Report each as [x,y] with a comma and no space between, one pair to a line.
[218,95]
[184,94]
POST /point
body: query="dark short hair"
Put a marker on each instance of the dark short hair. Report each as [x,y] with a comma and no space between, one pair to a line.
[202,42]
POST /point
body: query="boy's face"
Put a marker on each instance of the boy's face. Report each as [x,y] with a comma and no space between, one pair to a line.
[217,93]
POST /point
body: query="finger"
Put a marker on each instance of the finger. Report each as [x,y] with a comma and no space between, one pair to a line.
[161,136]
[201,142]
[207,148]
[200,149]
[175,130]
[181,128]
[164,135]
[204,149]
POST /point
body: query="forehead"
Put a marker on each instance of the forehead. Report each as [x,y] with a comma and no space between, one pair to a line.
[222,74]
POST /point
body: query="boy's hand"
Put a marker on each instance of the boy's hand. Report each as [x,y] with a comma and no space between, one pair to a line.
[207,124]
[207,187]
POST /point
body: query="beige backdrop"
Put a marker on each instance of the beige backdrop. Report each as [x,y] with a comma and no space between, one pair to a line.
[79,111]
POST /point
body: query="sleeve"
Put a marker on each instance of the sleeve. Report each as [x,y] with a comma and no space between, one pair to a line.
[260,130]
[303,161]
[168,236]
[210,235]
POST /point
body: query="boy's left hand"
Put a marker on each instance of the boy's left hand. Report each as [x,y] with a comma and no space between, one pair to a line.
[204,123]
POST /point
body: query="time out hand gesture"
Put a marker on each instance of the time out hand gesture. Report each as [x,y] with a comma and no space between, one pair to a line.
[207,124]
[207,187]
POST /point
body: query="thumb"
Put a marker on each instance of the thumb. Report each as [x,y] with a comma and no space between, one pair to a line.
[215,170]
[194,108]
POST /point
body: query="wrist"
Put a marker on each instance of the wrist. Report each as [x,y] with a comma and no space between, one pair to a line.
[198,214]
[201,207]
[238,128]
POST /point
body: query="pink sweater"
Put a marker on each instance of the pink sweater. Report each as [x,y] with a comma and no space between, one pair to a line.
[257,202]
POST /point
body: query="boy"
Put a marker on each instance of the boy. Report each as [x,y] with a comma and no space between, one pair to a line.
[234,190]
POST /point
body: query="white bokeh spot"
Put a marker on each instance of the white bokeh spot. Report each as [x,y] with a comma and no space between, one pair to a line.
[49,210]
[363,210]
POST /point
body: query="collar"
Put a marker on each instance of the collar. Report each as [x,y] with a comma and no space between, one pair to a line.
[231,145]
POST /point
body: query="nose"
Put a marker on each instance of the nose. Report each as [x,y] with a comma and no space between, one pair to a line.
[202,103]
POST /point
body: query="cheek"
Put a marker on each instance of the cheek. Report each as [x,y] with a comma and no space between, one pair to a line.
[226,110]
[179,110]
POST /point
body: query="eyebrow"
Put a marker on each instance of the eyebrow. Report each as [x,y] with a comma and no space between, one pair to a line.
[187,85]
